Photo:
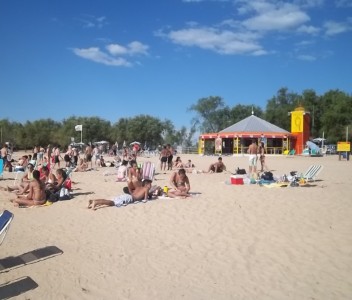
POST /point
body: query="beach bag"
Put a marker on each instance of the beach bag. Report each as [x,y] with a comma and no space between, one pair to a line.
[68,184]
[240,171]
[52,197]
[64,194]
[267,176]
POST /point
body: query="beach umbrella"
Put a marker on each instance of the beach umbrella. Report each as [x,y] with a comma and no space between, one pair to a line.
[124,144]
[101,142]
[319,140]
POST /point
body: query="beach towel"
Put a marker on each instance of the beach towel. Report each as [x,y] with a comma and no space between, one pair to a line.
[148,170]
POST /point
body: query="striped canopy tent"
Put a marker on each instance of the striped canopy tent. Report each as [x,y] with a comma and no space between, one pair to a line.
[237,137]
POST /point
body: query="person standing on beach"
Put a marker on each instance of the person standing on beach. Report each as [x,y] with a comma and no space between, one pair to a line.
[261,152]
[163,158]
[170,156]
[48,153]
[57,156]
[139,194]
[88,155]
[252,151]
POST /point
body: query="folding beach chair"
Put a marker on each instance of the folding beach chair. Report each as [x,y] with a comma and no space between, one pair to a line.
[148,170]
[5,220]
[312,172]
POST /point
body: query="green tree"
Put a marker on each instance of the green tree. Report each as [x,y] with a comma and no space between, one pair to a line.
[279,106]
[212,114]
[311,103]
[240,112]
[142,128]
[336,115]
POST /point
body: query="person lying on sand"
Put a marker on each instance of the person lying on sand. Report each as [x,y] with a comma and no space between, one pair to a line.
[217,167]
[140,193]
[180,184]
[36,195]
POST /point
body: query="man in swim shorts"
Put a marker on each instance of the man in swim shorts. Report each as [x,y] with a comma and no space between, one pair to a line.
[217,167]
[139,194]
[252,151]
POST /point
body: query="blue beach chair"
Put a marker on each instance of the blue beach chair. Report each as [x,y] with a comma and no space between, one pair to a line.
[1,168]
[5,220]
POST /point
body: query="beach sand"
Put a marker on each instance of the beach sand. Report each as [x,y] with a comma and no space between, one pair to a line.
[226,242]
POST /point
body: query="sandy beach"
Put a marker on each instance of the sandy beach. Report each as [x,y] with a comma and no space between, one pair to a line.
[226,242]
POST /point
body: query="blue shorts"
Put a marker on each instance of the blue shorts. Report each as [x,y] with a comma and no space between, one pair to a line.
[123,199]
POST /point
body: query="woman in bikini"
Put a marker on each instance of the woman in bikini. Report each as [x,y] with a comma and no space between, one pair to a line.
[36,195]
[180,184]
[134,177]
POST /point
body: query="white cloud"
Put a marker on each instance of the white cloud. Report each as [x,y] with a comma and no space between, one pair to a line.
[224,42]
[138,48]
[306,57]
[113,56]
[308,29]
[133,48]
[96,55]
[333,28]
[309,3]
[89,21]
[303,44]
[280,16]
[115,49]
[343,3]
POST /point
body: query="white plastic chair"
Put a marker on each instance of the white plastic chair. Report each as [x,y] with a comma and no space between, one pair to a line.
[312,172]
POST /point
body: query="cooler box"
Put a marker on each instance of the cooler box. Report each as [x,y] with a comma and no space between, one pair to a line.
[236,179]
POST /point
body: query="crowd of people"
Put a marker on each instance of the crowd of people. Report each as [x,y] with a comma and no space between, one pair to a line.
[44,173]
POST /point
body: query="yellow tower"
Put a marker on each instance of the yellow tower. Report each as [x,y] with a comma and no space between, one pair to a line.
[300,128]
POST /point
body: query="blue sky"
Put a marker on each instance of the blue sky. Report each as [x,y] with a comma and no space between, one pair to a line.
[115,59]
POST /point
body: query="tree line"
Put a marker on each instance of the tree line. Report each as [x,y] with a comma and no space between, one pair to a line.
[331,113]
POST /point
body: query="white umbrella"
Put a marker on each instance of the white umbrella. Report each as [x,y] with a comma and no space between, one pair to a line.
[101,142]
[135,143]
[319,140]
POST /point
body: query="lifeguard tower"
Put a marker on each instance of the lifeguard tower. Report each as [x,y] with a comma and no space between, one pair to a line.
[300,128]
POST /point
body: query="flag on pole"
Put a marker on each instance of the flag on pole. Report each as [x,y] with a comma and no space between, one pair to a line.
[78,127]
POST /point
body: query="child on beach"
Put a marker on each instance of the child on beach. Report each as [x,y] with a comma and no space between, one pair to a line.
[139,194]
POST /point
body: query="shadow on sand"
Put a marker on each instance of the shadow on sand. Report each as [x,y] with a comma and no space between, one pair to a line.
[24,284]
[34,256]
[17,287]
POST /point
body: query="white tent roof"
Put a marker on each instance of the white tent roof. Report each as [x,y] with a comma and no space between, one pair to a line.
[254,124]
